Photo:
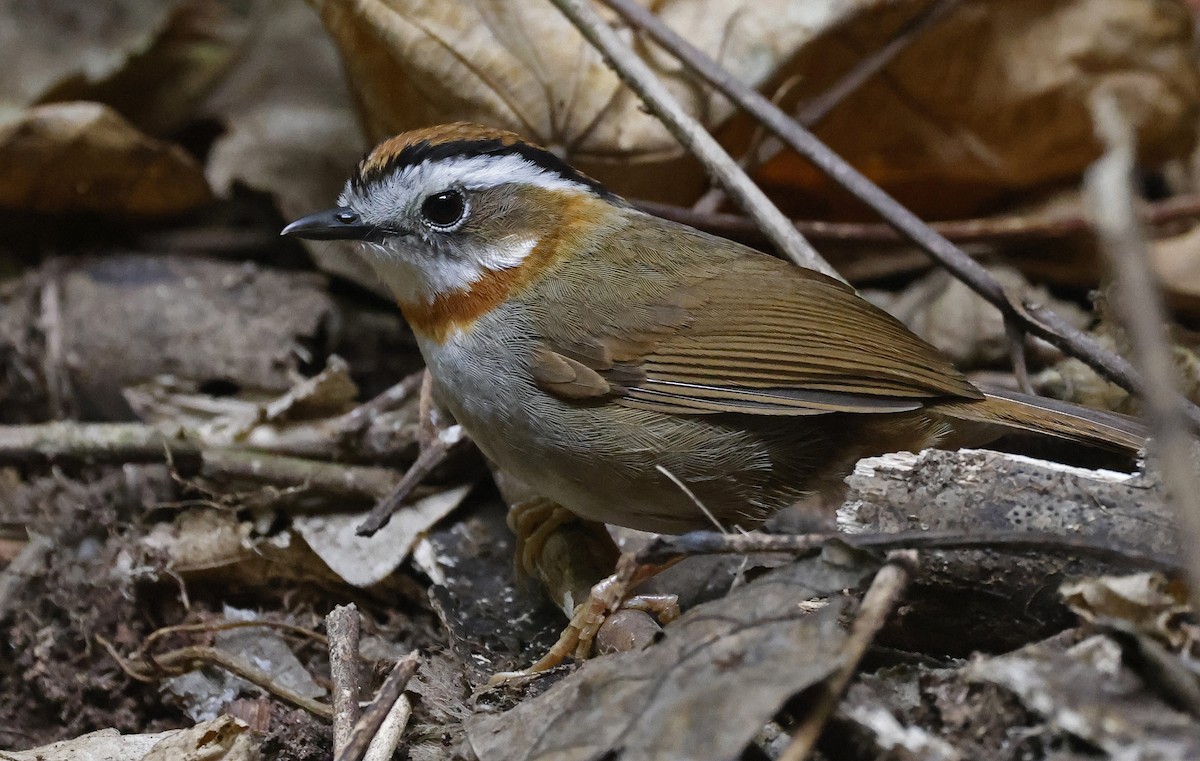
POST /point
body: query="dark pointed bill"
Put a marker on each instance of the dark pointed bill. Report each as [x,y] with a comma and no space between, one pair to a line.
[340,223]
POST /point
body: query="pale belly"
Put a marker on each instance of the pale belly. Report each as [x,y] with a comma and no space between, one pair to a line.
[603,461]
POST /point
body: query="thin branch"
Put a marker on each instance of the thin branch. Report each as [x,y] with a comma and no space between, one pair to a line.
[436,446]
[344,627]
[368,725]
[383,745]
[881,599]
[358,420]
[1011,227]
[1075,343]
[105,443]
[691,134]
[663,548]
[187,659]
[1138,302]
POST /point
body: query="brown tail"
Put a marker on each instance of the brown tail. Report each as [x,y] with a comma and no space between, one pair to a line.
[1012,410]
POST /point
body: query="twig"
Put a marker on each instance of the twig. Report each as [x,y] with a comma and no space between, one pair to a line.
[663,548]
[1073,342]
[436,445]
[137,442]
[383,746]
[691,134]
[368,725]
[223,626]
[879,602]
[187,659]
[1139,304]
[344,627]
[25,564]
[357,420]
[813,112]
[334,480]
[50,321]
[1013,227]
[94,443]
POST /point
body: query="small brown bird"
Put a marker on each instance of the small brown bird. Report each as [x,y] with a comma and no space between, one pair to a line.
[598,353]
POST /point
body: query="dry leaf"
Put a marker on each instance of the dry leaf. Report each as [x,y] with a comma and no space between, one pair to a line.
[45,44]
[523,66]
[206,693]
[702,692]
[83,157]
[159,86]
[995,97]
[290,126]
[944,311]
[222,739]
[363,561]
[1177,263]
[1149,602]
[1086,692]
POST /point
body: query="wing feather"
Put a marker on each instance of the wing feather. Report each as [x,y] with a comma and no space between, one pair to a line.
[712,326]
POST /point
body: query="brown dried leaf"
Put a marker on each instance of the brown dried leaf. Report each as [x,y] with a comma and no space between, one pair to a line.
[83,157]
[1149,602]
[523,66]
[702,692]
[995,97]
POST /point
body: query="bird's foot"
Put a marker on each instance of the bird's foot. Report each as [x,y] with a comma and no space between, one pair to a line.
[532,522]
[610,595]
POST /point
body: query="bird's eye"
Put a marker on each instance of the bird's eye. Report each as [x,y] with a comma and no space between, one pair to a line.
[444,209]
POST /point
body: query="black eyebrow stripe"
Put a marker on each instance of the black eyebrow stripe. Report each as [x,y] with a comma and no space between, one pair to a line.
[424,151]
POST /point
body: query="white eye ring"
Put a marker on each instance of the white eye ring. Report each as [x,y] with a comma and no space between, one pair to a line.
[445,210]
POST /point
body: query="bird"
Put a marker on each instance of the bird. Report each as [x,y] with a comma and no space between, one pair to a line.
[605,356]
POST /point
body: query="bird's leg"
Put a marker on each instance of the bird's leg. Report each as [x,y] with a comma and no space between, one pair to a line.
[574,558]
[611,594]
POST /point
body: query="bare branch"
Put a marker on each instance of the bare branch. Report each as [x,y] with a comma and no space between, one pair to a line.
[692,135]
[1109,185]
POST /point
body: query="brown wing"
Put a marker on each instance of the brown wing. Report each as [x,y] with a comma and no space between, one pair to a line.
[721,328]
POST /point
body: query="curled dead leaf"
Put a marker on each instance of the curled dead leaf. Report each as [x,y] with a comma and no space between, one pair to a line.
[84,157]
[1149,602]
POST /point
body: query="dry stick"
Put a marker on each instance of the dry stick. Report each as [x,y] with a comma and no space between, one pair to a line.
[187,659]
[136,442]
[1109,186]
[663,548]
[383,746]
[357,420]
[436,446]
[1015,227]
[53,364]
[368,725]
[344,628]
[691,134]
[879,602]
[1074,342]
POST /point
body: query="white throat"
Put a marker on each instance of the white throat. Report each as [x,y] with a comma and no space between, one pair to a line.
[416,277]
